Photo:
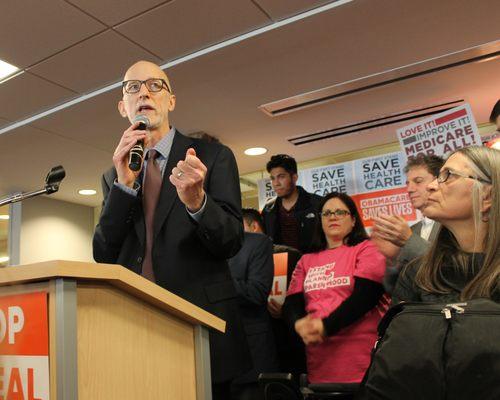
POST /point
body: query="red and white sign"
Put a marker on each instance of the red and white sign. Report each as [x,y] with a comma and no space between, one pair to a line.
[440,134]
[24,347]
[390,202]
[278,291]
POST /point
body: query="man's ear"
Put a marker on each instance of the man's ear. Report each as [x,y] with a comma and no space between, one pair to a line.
[255,227]
[121,109]
[295,177]
[171,102]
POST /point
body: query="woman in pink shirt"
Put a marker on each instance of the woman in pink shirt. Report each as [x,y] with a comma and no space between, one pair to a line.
[336,298]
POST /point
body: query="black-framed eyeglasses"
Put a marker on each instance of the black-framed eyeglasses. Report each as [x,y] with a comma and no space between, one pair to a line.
[444,175]
[337,213]
[154,85]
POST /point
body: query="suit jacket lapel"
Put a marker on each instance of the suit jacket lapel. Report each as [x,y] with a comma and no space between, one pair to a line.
[417,228]
[434,231]
[168,193]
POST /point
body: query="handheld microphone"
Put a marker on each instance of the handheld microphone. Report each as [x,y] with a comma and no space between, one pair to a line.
[136,154]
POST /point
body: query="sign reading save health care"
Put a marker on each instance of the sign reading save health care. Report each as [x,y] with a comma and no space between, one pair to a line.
[372,182]
[379,173]
[327,179]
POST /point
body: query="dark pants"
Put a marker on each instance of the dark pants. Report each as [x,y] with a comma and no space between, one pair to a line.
[221,391]
[248,391]
[291,349]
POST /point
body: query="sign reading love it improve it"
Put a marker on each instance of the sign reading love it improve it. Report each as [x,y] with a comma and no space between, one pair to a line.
[440,134]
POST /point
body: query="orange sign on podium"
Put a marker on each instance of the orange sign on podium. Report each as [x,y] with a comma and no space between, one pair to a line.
[24,347]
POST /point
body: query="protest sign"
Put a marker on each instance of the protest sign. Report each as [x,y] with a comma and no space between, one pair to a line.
[440,134]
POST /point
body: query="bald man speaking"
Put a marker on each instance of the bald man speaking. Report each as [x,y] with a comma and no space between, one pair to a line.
[177,218]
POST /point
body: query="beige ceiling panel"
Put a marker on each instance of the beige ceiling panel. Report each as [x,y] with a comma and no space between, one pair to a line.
[182,27]
[32,30]
[111,12]
[93,63]
[264,68]
[4,122]
[94,122]
[281,9]
[323,50]
[27,94]
[28,154]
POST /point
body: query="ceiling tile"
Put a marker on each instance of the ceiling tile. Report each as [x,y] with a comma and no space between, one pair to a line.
[330,48]
[31,31]
[182,27]
[4,122]
[27,94]
[111,12]
[95,122]
[84,165]
[93,63]
[281,9]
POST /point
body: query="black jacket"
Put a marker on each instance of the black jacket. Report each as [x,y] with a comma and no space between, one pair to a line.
[306,212]
[189,258]
[253,270]
[450,275]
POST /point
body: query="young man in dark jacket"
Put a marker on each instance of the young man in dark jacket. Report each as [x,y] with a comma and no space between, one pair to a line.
[290,217]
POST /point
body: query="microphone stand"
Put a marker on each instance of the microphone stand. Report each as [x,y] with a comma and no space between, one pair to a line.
[52,182]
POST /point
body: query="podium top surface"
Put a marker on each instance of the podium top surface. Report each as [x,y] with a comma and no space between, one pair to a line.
[114,275]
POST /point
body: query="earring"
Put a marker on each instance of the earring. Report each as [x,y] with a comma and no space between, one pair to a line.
[485,217]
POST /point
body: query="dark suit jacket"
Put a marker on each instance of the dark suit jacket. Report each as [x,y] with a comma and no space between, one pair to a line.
[253,270]
[188,257]
[416,246]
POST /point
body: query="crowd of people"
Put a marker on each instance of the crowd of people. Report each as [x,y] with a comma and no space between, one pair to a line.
[346,280]
[178,222]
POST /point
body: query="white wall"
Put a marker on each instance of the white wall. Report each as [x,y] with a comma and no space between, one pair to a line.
[55,230]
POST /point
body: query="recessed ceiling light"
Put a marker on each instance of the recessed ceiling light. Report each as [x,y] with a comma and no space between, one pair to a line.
[4,217]
[255,151]
[4,259]
[6,69]
[87,192]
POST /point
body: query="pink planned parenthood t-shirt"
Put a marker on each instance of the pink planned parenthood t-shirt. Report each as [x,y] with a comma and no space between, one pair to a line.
[327,278]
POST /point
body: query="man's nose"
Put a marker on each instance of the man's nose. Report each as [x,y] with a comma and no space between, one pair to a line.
[143,90]
[432,186]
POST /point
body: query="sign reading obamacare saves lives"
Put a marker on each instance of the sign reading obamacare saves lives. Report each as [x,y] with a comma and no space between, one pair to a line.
[24,347]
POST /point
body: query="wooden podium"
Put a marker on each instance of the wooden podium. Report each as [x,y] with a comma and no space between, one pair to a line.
[115,335]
